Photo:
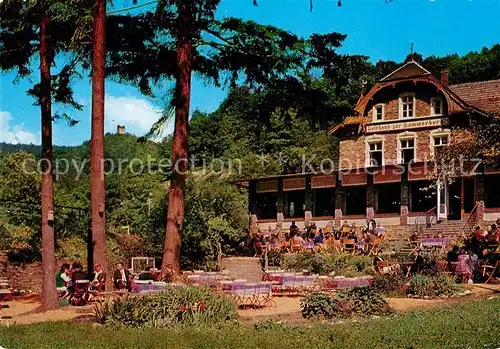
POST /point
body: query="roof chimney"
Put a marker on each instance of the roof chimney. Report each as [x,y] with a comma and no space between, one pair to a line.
[120,129]
[444,77]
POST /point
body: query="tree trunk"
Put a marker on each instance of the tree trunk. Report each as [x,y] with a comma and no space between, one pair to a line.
[175,215]
[97,184]
[49,292]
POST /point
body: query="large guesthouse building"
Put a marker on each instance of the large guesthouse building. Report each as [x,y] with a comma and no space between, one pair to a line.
[387,155]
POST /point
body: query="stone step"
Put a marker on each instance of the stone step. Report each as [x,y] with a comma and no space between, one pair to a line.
[248,268]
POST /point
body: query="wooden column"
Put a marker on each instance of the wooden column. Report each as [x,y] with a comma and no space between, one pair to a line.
[252,197]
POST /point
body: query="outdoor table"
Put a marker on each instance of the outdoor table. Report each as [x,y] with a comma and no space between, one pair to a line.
[434,242]
[342,282]
[148,286]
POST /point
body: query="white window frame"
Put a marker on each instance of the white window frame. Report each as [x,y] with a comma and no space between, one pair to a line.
[440,100]
[414,104]
[435,134]
[374,112]
[404,137]
[370,140]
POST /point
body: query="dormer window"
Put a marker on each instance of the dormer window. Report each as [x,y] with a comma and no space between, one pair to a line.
[436,106]
[378,112]
[407,105]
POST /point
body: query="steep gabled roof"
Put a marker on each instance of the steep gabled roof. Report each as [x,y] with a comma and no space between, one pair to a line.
[483,95]
[408,70]
[348,121]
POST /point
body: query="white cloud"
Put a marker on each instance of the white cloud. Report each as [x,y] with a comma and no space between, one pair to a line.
[136,114]
[15,133]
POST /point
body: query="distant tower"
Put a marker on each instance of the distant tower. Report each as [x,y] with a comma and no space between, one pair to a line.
[120,129]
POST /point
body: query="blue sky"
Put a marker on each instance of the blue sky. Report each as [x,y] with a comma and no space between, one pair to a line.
[374,28]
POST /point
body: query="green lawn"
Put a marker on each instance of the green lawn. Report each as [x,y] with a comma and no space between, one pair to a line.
[470,325]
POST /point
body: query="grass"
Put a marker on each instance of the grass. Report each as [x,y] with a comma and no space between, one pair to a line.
[469,325]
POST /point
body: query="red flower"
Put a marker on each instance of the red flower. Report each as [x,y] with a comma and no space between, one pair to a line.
[183,308]
[203,307]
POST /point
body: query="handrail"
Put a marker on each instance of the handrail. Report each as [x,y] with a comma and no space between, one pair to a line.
[428,216]
[471,221]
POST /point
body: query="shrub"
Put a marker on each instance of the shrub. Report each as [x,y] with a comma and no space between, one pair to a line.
[318,304]
[179,306]
[360,301]
[390,285]
[434,285]
[327,263]
[421,285]
[72,249]
[363,301]
[274,259]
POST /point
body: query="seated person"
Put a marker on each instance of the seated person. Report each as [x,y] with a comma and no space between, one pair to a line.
[63,280]
[99,280]
[451,257]
[121,278]
[78,273]
[147,275]
[294,228]
[318,240]
[297,239]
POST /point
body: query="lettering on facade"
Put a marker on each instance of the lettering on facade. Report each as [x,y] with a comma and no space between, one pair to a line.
[267,186]
[323,182]
[294,184]
[407,125]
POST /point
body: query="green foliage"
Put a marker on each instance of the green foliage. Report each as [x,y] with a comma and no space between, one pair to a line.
[180,305]
[359,301]
[327,263]
[318,304]
[362,301]
[72,249]
[430,286]
[216,213]
[390,285]
[274,258]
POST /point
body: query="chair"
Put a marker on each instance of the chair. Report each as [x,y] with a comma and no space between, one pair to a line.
[296,246]
[349,245]
[80,294]
[264,294]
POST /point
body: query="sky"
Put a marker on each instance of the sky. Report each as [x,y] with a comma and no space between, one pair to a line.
[376,28]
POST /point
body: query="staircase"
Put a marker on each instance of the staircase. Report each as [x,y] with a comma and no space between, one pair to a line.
[451,229]
[248,268]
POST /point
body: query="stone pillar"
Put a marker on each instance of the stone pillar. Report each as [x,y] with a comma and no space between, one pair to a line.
[339,201]
[370,196]
[480,194]
[307,218]
[308,200]
[370,213]
[253,225]
[404,216]
[480,211]
[280,198]
[405,197]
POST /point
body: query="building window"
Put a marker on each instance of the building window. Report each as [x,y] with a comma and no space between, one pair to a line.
[407,150]
[378,112]
[439,142]
[376,154]
[436,106]
[407,105]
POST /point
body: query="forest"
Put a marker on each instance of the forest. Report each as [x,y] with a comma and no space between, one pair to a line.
[267,127]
